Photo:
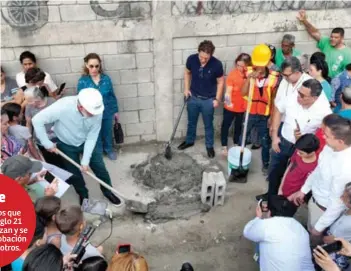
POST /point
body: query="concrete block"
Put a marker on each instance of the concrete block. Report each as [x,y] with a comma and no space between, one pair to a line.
[218,41]
[126,91]
[207,188]
[247,49]
[77,64]
[131,139]
[147,138]
[101,48]
[39,51]
[133,46]
[71,13]
[135,76]
[145,128]
[7,54]
[11,68]
[177,57]
[119,62]
[178,72]
[307,47]
[70,79]
[129,117]
[178,99]
[177,86]
[221,185]
[146,89]
[184,43]
[54,14]
[146,102]
[55,65]
[145,60]
[140,10]
[147,115]
[130,104]
[67,50]
[238,40]
[186,54]
[227,53]
[271,37]
[114,76]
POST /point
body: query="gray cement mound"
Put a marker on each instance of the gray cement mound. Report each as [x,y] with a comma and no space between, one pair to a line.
[177,184]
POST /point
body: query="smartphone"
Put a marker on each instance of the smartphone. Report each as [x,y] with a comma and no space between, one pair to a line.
[333,247]
[49,177]
[125,248]
[61,88]
[297,125]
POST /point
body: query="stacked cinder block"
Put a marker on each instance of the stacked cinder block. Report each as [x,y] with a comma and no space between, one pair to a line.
[213,188]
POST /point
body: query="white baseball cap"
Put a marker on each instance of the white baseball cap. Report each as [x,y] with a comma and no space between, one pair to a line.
[91,100]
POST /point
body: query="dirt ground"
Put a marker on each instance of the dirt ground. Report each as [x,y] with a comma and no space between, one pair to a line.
[210,241]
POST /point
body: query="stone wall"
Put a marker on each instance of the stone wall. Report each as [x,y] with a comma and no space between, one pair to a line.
[144,45]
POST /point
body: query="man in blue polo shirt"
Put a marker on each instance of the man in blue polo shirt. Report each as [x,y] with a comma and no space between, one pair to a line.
[203,85]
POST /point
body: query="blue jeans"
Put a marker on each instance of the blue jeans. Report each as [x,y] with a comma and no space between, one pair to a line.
[96,164]
[260,123]
[105,140]
[278,165]
[205,107]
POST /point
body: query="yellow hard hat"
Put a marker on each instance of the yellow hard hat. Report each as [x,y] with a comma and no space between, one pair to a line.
[261,55]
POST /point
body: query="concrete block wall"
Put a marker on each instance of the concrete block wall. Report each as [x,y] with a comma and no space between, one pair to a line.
[144,46]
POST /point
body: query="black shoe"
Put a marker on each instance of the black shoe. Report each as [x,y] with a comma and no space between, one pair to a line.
[81,199]
[112,198]
[210,152]
[187,267]
[262,197]
[185,145]
[255,146]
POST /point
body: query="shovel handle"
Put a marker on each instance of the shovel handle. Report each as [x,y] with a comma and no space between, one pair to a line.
[251,90]
[92,176]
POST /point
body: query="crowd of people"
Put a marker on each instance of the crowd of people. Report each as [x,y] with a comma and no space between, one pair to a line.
[299,115]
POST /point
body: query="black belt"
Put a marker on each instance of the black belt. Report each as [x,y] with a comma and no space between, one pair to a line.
[203,97]
[319,206]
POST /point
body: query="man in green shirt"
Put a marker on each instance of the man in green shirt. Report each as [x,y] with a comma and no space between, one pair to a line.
[338,55]
[287,50]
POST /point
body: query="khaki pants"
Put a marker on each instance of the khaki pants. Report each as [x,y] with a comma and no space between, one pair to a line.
[314,213]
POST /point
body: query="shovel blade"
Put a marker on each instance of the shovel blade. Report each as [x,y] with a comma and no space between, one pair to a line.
[168,152]
[238,175]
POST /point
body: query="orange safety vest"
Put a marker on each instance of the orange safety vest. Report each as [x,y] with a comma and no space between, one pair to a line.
[261,103]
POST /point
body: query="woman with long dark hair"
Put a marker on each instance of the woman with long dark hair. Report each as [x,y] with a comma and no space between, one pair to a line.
[319,71]
[94,77]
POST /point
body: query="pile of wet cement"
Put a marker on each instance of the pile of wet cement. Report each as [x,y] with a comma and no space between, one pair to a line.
[177,183]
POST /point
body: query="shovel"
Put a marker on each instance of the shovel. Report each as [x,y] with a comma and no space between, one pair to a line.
[168,151]
[239,175]
[131,205]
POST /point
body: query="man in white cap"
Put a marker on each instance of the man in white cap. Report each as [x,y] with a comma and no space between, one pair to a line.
[77,123]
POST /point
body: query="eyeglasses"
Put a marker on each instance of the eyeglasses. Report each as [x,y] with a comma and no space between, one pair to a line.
[287,75]
[94,66]
[201,72]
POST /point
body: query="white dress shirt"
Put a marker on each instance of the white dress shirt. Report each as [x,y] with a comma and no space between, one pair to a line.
[21,81]
[327,183]
[285,89]
[309,119]
[284,244]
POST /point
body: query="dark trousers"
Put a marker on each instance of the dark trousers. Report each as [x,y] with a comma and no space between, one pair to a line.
[228,117]
[195,106]
[97,165]
[261,124]
[76,181]
[105,140]
[278,165]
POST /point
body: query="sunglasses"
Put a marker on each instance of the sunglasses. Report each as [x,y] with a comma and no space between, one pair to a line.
[302,95]
[201,72]
[94,66]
